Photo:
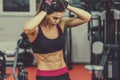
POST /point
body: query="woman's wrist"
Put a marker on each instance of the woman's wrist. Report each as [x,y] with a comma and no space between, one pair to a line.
[43,12]
[68,6]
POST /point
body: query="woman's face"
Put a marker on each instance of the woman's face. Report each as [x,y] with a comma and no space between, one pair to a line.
[54,18]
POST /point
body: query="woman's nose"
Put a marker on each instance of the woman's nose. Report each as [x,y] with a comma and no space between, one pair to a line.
[57,21]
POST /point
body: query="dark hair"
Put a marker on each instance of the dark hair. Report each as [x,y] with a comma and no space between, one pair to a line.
[58,7]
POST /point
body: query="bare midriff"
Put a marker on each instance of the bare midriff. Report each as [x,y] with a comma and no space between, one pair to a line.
[50,61]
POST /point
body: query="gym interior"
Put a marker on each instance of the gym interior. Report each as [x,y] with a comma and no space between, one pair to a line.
[94,46]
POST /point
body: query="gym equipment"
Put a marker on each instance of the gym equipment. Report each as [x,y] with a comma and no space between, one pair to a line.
[67,49]
[110,58]
[2,65]
[22,59]
[26,58]
[95,33]
[107,48]
[111,37]
[22,73]
[97,49]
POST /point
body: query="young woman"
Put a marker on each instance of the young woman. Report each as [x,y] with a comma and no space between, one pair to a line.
[46,34]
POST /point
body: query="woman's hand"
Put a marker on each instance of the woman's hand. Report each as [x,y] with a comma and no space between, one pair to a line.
[47,6]
[65,3]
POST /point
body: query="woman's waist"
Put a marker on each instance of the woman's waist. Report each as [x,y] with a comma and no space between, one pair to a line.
[50,65]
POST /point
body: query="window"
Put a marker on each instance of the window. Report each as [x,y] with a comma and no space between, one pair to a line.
[17,7]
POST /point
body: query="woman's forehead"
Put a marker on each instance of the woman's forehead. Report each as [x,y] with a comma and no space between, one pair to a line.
[57,14]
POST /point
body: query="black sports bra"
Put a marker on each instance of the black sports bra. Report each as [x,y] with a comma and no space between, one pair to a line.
[44,45]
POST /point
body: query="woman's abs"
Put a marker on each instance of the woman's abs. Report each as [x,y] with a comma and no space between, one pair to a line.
[51,61]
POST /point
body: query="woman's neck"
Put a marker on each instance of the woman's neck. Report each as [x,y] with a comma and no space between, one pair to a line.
[46,25]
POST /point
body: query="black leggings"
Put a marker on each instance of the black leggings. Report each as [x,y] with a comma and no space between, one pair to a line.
[61,77]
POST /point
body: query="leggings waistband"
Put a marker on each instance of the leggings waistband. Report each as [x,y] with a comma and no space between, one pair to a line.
[52,72]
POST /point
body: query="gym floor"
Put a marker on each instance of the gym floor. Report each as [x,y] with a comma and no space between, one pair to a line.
[78,72]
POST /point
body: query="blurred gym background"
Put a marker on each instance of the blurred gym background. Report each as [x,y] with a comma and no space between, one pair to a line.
[104,27]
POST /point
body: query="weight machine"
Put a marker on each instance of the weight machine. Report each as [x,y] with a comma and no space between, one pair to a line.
[112,38]
[3,73]
[2,65]
[23,59]
[107,33]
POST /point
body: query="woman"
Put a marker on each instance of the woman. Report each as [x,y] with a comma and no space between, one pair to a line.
[46,34]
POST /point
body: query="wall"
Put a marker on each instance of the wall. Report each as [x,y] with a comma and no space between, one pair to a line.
[10,30]
[80,44]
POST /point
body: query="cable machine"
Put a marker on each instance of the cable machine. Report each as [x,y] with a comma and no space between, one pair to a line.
[109,22]
[111,36]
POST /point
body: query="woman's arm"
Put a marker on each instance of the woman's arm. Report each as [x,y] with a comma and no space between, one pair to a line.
[82,17]
[30,26]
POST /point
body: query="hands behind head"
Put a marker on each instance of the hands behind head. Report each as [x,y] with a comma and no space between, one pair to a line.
[46,6]
[49,4]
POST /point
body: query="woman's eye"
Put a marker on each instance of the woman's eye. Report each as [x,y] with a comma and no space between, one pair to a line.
[55,18]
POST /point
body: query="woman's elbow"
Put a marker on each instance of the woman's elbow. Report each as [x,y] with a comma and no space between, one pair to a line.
[88,18]
[26,29]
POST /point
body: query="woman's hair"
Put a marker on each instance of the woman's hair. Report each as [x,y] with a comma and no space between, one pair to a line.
[59,6]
